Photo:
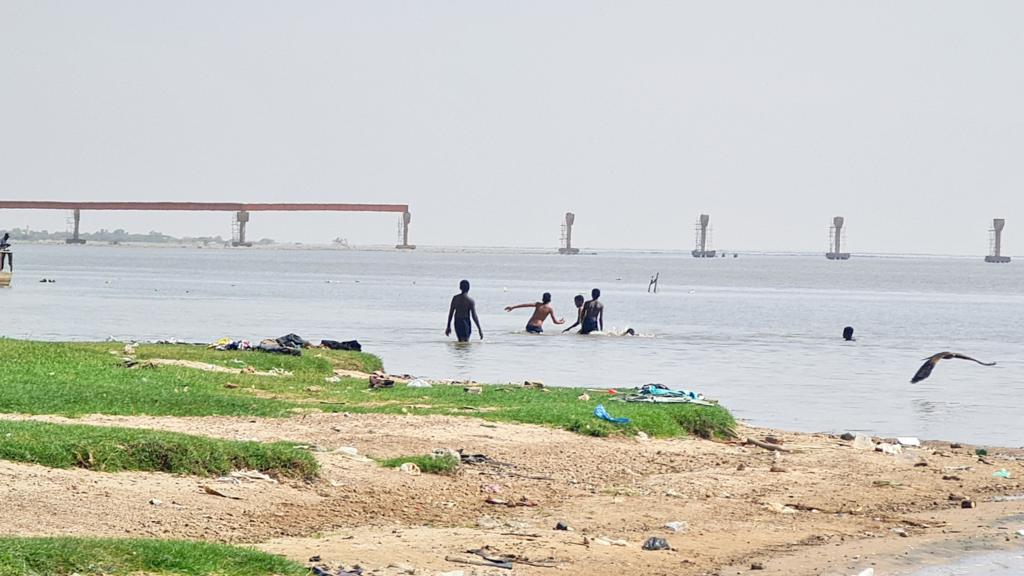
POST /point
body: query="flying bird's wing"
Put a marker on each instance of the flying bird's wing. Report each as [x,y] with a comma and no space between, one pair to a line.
[964,357]
[924,371]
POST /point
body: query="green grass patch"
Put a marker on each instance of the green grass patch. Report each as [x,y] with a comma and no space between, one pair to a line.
[428,463]
[89,556]
[119,449]
[73,379]
[85,378]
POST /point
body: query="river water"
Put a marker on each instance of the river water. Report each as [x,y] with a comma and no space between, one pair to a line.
[760,333]
[995,564]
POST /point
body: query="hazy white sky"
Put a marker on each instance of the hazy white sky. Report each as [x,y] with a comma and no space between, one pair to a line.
[492,119]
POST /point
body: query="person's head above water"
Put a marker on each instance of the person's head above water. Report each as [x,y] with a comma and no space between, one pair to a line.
[595,293]
[546,297]
[848,333]
[464,286]
[579,300]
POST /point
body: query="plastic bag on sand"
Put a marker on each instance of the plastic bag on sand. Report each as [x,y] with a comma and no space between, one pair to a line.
[867,572]
[890,449]
[410,468]
[679,526]
[419,383]
[862,442]
[654,543]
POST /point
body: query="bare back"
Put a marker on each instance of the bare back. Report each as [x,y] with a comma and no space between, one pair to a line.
[462,305]
[540,313]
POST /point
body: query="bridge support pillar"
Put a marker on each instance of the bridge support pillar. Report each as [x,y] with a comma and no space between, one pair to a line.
[403,228]
[238,234]
[74,239]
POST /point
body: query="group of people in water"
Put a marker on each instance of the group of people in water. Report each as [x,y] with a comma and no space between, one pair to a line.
[462,314]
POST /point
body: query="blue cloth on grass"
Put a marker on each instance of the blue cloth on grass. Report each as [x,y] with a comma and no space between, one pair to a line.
[603,414]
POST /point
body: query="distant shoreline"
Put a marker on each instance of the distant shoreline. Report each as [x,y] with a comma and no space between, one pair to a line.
[682,252]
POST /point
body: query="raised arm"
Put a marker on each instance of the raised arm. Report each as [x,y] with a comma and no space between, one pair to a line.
[511,308]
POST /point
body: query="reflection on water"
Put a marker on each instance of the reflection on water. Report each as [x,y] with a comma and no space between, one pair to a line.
[462,354]
[762,334]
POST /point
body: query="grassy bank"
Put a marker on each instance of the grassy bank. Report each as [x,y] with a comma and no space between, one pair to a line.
[120,449]
[88,378]
[66,556]
[74,379]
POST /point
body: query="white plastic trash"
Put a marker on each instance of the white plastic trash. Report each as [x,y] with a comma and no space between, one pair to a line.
[410,468]
[890,449]
[419,383]
[908,441]
[677,527]
[862,442]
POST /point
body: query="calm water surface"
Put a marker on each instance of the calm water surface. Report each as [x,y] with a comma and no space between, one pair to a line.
[760,333]
[996,564]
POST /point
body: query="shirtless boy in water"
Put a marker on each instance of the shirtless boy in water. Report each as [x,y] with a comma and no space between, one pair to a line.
[462,310]
[541,310]
[578,300]
[593,314]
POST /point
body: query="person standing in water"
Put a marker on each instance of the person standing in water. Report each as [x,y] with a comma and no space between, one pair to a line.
[5,252]
[541,310]
[463,309]
[578,300]
[593,314]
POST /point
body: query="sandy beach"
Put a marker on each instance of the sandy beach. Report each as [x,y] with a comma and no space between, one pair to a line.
[820,507]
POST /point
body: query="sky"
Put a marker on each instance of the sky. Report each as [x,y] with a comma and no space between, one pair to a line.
[492,119]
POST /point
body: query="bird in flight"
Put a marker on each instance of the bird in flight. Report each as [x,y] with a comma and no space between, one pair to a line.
[929,364]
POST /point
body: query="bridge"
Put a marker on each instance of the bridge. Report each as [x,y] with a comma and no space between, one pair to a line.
[241,211]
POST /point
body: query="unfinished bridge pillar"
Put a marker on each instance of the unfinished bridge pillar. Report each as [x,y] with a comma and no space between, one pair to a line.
[835,240]
[997,243]
[403,232]
[700,249]
[567,247]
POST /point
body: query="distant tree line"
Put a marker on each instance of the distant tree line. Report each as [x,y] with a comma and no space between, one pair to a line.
[119,236]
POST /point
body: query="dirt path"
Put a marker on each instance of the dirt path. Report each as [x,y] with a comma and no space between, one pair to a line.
[825,504]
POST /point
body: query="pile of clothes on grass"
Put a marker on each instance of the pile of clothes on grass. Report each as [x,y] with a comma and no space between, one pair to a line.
[661,394]
[289,344]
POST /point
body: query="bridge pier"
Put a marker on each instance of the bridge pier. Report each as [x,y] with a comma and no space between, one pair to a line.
[77,215]
[238,234]
[403,228]
[567,248]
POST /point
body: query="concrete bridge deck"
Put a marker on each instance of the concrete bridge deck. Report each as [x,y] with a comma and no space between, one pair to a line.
[241,210]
